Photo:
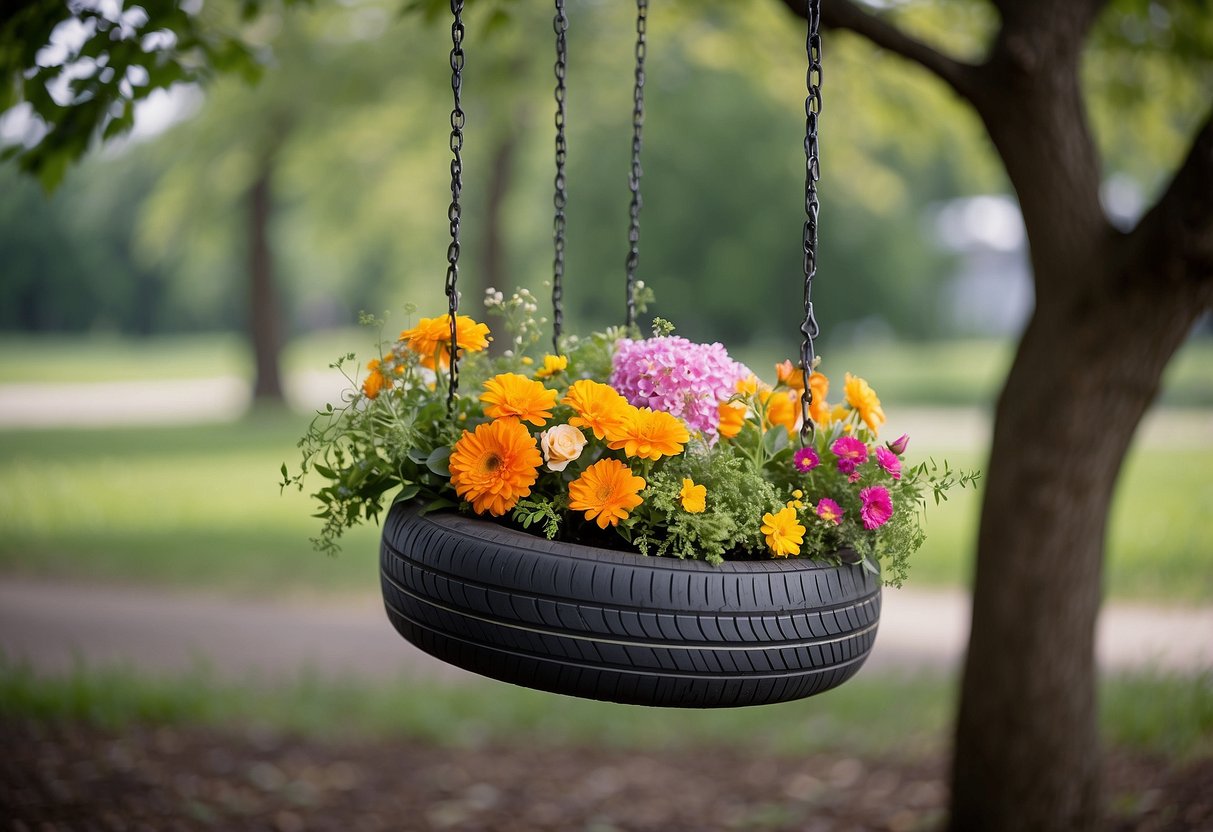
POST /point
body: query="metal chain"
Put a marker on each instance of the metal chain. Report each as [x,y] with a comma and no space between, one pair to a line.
[454,213]
[812,109]
[560,198]
[642,8]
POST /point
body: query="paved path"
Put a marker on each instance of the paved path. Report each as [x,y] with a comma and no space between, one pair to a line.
[55,626]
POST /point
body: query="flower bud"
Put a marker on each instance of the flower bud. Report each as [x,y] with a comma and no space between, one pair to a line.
[898,445]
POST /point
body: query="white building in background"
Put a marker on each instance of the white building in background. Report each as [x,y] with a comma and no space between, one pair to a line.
[990,294]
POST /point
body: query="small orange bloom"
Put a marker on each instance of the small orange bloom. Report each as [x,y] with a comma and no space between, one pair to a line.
[747,386]
[495,466]
[599,406]
[649,434]
[782,408]
[432,338]
[552,364]
[510,394]
[375,380]
[862,398]
[607,491]
[789,374]
[819,409]
[732,417]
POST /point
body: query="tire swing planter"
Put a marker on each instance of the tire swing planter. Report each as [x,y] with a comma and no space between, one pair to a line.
[621,627]
[611,625]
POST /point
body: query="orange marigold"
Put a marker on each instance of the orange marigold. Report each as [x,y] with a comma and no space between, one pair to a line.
[649,434]
[431,338]
[599,406]
[375,380]
[495,466]
[606,491]
[862,398]
[510,394]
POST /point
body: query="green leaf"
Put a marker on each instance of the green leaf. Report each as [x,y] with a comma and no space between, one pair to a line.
[438,461]
[407,493]
[437,505]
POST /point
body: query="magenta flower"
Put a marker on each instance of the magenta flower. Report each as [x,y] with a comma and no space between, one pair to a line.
[684,379]
[805,460]
[854,476]
[888,460]
[829,510]
[898,445]
[851,453]
[877,506]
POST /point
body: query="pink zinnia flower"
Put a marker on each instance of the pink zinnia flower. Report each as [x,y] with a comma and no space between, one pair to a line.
[684,379]
[877,506]
[829,510]
[851,453]
[805,460]
[898,445]
[888,460]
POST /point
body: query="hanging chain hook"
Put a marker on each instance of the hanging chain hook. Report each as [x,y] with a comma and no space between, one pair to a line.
[560,199]
[454,213]
[642,8]
[812,109]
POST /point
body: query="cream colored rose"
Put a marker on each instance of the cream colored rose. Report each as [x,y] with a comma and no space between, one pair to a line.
[561,445]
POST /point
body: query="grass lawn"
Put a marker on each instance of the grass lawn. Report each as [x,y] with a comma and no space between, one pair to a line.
[200,505]
[904,716]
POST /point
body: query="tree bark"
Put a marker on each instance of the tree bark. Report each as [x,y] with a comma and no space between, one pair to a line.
[264,313]
[1111,310]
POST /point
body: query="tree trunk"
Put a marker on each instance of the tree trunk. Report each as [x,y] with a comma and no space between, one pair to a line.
[264,314]
[494,269]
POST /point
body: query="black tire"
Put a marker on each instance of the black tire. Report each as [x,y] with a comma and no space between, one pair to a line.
[621,627]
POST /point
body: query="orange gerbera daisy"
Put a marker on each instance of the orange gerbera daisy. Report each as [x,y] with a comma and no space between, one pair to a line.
[606,491]
[510,394]
[649,434]
[599,406]
[375,380]
[431,338]
[862,398]
[495,466]
[732,417]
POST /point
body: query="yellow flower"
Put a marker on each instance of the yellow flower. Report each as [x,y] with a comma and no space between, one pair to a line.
[561,445]
[862,399]
[606,491]
[693,496]
[649,434]
[375,380]
[552,364]
[747,386]
[732,417]
[784,533]
[782,408]
[599,406]
[789,374]
[495,466]
[527,360]
[432,338]
[510,394]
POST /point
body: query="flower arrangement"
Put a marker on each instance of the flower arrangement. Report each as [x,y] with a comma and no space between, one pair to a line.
[660,445]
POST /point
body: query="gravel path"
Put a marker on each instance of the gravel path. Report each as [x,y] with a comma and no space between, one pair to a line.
[54,626]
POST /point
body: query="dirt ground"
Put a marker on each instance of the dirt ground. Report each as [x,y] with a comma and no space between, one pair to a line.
[73,777]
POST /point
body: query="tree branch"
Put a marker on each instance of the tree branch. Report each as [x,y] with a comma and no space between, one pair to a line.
[1182,218]
[843,14]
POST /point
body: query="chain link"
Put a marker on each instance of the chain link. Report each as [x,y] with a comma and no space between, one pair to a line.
[560,199]
[642,8]
[454,213]
[812,109]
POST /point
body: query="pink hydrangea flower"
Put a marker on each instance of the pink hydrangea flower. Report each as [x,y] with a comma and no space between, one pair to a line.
[877,506]
[684,379]
[851,453]
[829,510]
[805,460]
[888,460]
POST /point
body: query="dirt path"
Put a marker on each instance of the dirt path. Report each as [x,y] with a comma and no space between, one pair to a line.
[54,626]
